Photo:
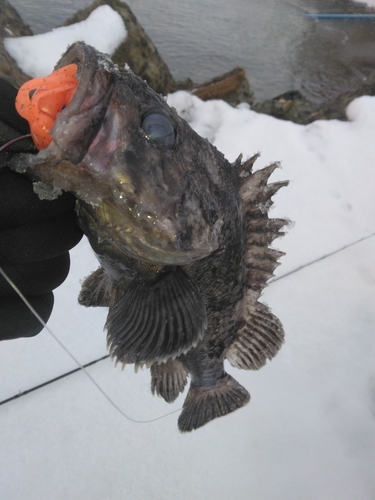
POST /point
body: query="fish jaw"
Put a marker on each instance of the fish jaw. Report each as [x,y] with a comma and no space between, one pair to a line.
[157,202]
[78,124]
[105,225]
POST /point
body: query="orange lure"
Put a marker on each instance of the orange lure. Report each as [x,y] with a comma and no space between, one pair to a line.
[40,100]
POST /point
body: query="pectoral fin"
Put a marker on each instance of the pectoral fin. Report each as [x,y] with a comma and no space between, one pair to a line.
[96,290]
[156,319]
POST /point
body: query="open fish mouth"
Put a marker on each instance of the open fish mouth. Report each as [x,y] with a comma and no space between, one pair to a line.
[132,162]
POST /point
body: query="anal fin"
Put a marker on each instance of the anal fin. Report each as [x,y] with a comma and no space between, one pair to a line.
[168,379]
[205,404]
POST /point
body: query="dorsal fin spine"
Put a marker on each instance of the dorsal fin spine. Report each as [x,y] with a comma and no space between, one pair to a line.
[261,335]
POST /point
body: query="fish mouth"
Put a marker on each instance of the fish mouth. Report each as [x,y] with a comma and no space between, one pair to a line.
[130,236]
[130,189]
[148,248]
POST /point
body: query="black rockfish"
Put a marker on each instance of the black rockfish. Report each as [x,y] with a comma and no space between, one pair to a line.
[182,236]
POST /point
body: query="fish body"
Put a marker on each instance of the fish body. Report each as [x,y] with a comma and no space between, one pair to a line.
[181,234]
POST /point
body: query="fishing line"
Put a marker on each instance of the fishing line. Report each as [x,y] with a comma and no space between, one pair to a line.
[323,257]
[10,143]
[34,312]
[51,381]
[81,367]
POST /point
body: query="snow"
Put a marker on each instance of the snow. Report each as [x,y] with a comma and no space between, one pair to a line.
[308,431]
[37,55]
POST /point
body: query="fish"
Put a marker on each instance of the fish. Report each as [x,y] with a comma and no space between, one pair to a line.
[182,235]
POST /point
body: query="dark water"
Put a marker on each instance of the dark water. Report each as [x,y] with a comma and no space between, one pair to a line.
[278,46]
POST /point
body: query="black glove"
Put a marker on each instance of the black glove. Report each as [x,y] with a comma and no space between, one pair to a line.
[35,235]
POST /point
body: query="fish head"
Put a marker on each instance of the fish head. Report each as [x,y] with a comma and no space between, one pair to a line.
[149,183]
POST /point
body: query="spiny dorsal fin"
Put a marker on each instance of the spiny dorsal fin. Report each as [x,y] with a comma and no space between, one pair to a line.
[260,230]
[261,335]
[244,169]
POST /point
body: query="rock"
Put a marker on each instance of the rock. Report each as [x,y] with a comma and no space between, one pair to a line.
[138,51]
[11,25]
[288,106]
[232,87]
[294,107]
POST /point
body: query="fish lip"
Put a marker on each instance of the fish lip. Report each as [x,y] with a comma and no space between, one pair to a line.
[162,256]
[91,96]
[163,248]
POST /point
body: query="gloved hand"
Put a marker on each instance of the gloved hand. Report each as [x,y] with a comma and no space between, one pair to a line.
[35,235]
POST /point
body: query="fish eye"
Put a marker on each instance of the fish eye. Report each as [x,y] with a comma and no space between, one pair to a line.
[159,129]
